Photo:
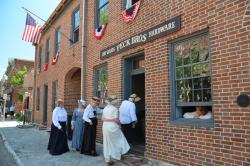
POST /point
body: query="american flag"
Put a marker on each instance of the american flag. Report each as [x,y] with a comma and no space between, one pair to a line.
[32,30]
[130,13]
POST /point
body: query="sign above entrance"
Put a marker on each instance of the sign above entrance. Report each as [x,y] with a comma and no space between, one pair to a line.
[158,31]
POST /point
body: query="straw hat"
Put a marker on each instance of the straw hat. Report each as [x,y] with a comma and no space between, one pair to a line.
[135,97]
[111,100]
[96,99]
[82,102]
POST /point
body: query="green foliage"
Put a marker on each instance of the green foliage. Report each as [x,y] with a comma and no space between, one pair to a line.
[103,17]
[19,116]
[19,77]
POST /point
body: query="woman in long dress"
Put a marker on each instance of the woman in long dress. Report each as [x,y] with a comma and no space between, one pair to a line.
[114,142]
[58,138]
[77,125]
[89,136]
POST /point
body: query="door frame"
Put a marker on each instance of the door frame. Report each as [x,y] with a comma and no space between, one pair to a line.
[45,103]
[128,72]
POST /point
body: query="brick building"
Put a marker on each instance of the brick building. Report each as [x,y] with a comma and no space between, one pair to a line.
[175,55]
[60,79]
[14,66]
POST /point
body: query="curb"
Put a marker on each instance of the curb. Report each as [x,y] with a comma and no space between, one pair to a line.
[10,150]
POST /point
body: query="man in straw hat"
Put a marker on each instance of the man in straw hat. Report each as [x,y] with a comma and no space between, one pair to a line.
[128,117]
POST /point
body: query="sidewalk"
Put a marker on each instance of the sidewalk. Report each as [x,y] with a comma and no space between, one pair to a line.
[29,148]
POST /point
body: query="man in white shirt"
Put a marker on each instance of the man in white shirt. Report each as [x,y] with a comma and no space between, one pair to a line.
[128,117]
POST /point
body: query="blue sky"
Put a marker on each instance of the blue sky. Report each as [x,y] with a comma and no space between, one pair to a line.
[12,22]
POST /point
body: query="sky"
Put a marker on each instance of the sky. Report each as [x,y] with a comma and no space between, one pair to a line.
[12,22]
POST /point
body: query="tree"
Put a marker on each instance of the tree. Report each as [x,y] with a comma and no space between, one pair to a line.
[17,80]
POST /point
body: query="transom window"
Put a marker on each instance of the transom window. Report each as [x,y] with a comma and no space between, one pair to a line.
[75,25]
[102,12]
[191,79]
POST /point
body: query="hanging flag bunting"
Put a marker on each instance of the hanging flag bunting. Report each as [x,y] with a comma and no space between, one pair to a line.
[54,60]
[130,13]
[45,67]
[99,32]
[32,31]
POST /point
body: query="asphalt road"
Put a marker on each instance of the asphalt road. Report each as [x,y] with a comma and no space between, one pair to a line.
[5,158]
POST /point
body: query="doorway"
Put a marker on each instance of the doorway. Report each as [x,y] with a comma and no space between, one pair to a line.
[45,104]
[134,82]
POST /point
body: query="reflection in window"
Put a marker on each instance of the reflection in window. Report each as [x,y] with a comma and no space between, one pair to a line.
[102,12]
[101,83]
[192,74]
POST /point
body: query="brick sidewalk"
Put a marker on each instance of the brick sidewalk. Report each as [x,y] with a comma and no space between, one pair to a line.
[30,146]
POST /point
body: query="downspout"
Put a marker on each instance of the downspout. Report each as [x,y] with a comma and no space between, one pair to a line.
[84,49]
[34,87]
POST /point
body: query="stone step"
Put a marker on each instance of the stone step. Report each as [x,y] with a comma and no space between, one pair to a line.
[133,160]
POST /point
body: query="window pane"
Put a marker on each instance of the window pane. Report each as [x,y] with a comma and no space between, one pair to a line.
[207,95]
[197,83]
[103,15]
[186,90]
[102,2]
[76,19]
[187,71]
[178,54]
[179,73]
[180,85]
[195,55]
[197,95]
[204,54]
[205,69]
[197,70]
[206,82]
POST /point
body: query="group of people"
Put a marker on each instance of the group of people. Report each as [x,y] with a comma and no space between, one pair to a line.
[117,127]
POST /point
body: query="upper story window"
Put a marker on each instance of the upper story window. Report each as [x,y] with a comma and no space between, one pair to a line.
[75,25]
[101,83]
[47,51]
[40,59]
[128,3]
[57,41]
[102,12]
[191,81]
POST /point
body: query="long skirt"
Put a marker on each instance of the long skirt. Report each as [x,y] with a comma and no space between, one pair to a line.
[89,138]
[58,140]
[114,142]
[78,134]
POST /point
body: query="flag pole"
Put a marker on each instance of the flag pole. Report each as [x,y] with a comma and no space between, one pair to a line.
[48,23]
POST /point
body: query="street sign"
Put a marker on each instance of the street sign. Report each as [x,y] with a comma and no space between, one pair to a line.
[5,96]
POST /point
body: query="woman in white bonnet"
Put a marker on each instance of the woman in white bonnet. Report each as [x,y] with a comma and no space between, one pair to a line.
[114,142]
[77,125]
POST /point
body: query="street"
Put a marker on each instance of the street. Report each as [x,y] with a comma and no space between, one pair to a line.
[5,158]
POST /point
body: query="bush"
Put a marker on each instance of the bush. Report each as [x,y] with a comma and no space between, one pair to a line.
[19,116]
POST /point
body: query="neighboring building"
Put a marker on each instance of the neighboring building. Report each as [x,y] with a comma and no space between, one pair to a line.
[14,66]
[28,84]
[175,55]
[61,79]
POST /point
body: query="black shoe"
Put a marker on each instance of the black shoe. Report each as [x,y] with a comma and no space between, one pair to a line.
[77,149]
[94,154]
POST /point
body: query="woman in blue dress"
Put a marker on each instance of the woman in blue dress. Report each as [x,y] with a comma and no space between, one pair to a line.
[77,125]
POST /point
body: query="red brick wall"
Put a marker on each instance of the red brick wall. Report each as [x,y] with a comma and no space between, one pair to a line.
[228,143]
[69,59]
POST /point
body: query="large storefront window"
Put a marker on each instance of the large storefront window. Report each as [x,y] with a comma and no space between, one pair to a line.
[101,83]
[191,80]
